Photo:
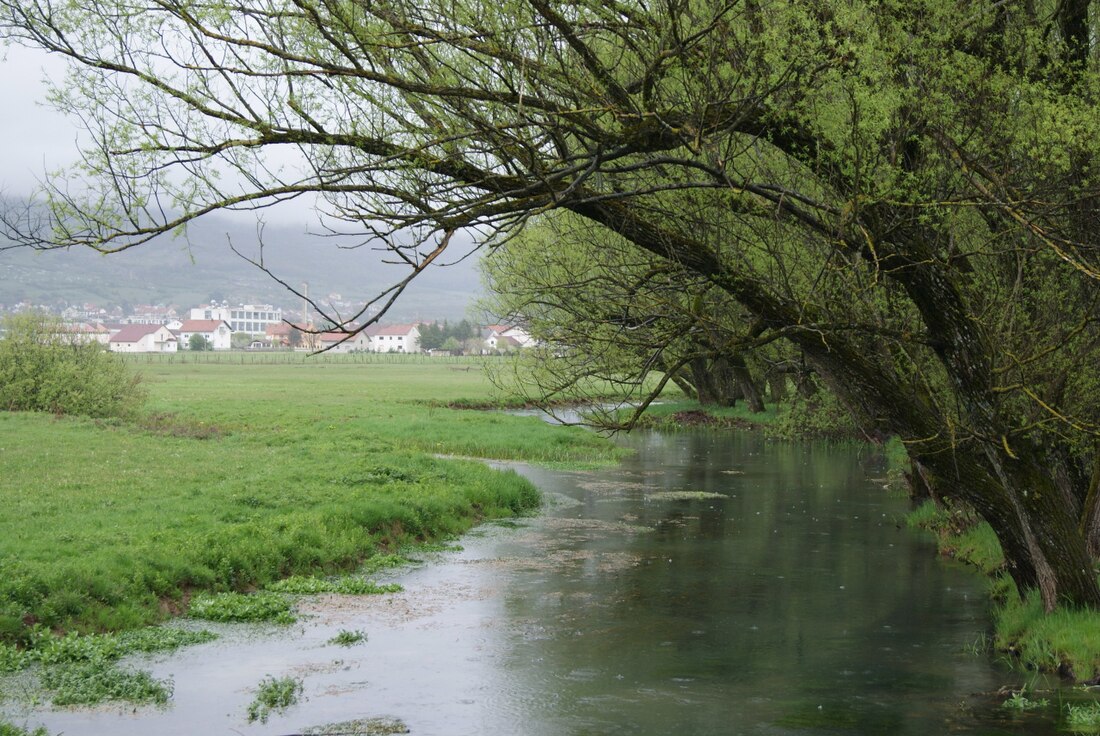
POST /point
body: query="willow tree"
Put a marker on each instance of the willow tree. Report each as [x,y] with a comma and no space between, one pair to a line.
[603,311]
[902,190]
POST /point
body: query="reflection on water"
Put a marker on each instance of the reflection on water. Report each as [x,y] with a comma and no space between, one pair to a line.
[714,584]
[792,604]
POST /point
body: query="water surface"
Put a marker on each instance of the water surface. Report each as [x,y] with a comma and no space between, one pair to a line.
[785,599]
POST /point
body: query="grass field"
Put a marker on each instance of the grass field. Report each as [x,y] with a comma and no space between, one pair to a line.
[242,474]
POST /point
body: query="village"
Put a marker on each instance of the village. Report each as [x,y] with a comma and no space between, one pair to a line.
[220,327]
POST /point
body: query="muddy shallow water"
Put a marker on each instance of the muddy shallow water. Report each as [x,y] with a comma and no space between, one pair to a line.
[710,585]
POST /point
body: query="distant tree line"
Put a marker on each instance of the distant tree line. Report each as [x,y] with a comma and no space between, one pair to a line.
[447,336]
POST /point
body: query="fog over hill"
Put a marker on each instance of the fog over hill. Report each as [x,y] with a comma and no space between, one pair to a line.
[187,271]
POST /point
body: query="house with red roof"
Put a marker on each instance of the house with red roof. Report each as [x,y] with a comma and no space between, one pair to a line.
[506,337]
[143,339]
[342,342]
[218,333]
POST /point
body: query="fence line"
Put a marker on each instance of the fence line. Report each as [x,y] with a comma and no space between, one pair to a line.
[240,357]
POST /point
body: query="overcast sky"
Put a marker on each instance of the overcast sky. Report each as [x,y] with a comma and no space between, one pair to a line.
[32,136]
[35,138]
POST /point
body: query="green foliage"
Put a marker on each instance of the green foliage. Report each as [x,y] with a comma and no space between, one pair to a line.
[1083,718]
[241,607]
[198,342]
[240,340]
[821,415]
[1066,640]
[298,585]
[274,694]
[348,638]
[1020,702]
[95,681]
[43,367]
[8,729]
[50,649]
[446,336]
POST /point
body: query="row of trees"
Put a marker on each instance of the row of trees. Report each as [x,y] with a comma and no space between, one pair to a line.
[902,193]
[447,336]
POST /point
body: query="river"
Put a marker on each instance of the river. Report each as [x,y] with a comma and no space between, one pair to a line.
[712,584]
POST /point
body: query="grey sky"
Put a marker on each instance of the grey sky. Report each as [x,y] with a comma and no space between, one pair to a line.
[32,136]
[35,138]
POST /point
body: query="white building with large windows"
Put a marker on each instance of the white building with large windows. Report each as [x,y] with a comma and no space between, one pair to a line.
[251,318]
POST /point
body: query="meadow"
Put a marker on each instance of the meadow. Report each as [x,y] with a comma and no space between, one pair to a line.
[240,474]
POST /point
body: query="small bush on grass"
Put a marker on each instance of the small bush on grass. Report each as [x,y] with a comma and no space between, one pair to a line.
[43,367]
[274,694]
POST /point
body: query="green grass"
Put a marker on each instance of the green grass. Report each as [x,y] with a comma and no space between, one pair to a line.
[274,694]
[9,729]
[1064,641]
[48,649]
[1083,718]
[1020,702]
[248,474]
[242,608]
[96,681]
[299,585]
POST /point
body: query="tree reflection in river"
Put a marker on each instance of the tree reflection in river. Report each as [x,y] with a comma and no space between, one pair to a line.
[794,604]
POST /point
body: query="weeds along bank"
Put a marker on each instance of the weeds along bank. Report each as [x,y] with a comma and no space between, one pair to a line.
[235,476]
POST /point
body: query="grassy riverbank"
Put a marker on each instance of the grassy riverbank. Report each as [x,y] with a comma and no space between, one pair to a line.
[238,475]
[1066,642]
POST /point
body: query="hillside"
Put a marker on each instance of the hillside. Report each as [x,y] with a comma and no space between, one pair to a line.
[198,268]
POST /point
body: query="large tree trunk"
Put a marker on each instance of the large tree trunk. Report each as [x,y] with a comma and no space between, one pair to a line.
[1090,514]
[777,386]
[747,385]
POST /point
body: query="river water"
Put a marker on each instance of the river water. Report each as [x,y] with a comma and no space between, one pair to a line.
[712,584]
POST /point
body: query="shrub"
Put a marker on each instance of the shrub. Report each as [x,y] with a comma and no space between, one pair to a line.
[44,368]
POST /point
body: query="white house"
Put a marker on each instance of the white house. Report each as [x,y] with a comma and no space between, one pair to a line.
[217,332]
[80,333]
[143,339]
[340,342]
[503,337]
[394,339]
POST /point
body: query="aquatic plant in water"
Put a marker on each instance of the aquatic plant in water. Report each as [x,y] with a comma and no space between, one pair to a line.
[360,727]
[1020,702]
[274,694]
[8,729]
[1083,718]
[91,682]
[238,607]
[299,585]
[348,638]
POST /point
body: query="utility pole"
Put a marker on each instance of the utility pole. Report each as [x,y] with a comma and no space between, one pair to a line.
[305,305]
